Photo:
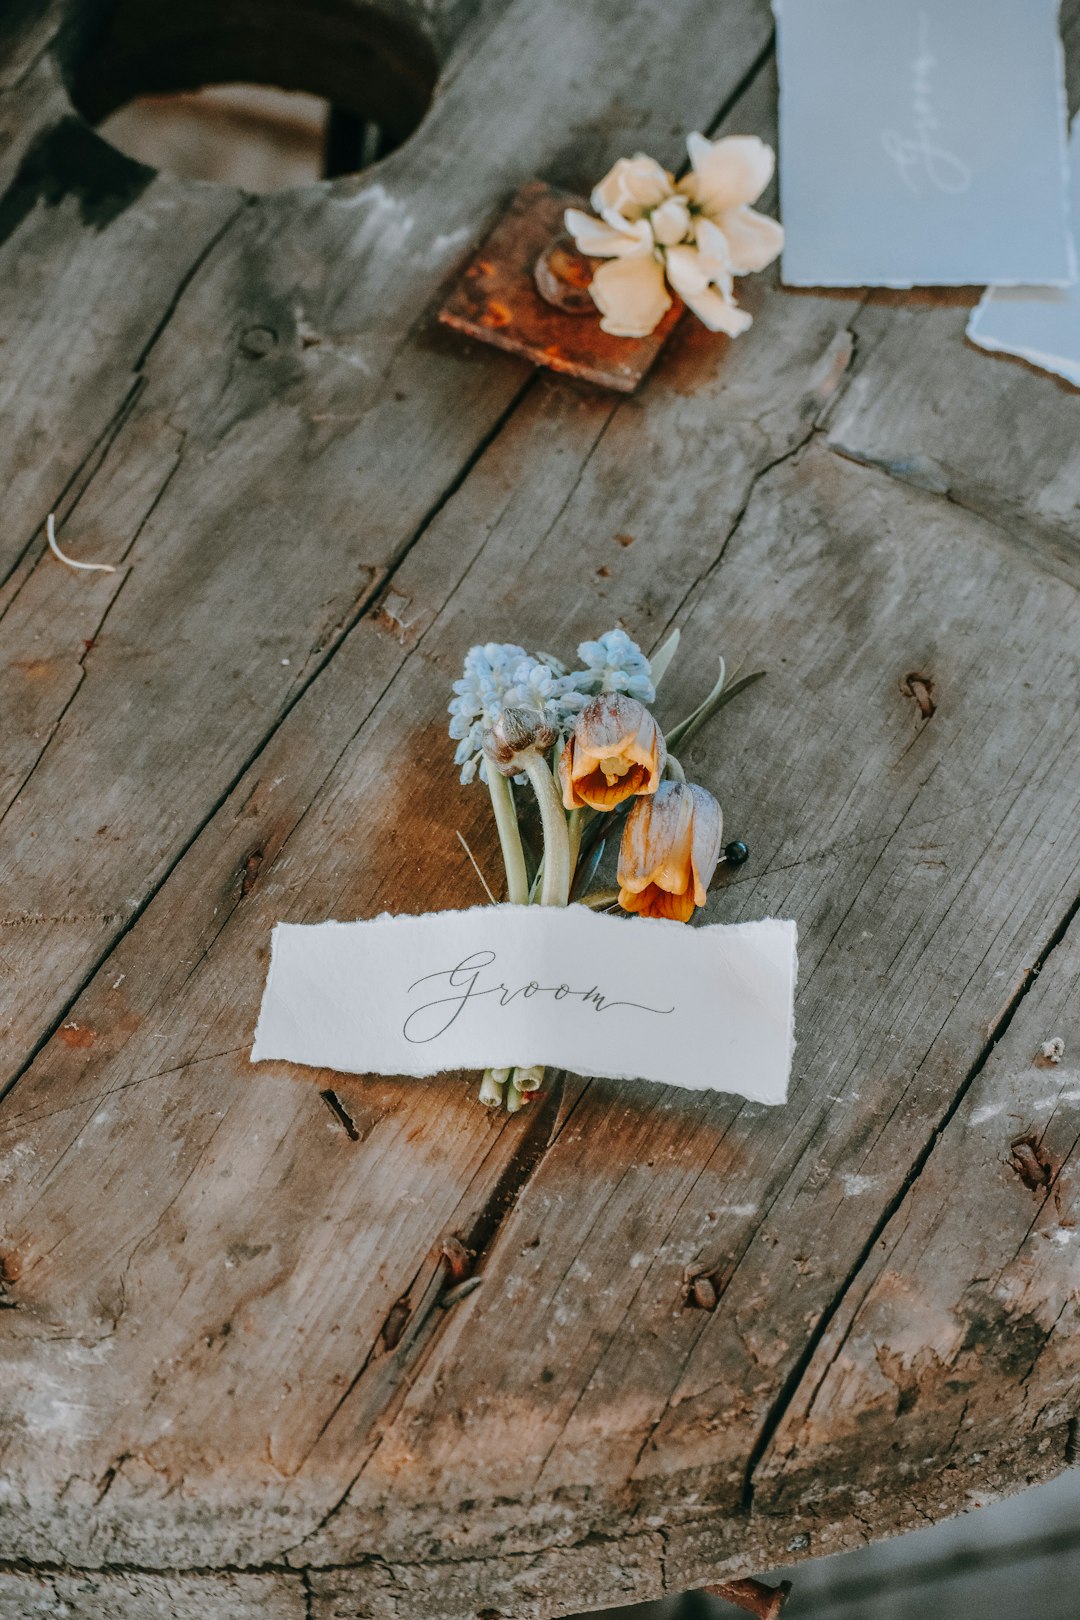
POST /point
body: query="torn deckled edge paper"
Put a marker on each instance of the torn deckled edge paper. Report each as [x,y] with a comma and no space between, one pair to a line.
[1038,324]
[707,1008]
[922,143]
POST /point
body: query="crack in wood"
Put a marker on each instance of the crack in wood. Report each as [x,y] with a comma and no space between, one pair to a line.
[793,1382]
[341,1114]
[543,1126]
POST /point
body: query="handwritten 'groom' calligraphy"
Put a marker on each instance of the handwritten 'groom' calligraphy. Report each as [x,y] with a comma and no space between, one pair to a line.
[433,1018]
[922,154]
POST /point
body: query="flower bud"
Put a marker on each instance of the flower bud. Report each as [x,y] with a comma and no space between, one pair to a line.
[670,847]
[517,732]
[615,750]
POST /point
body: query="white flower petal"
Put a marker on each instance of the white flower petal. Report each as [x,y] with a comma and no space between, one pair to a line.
[714,248]
[633,185]
[630,295]
[638,230]
[688,271]
[671,221]
[730,171]
[599,240]
[718,313]
[753,239]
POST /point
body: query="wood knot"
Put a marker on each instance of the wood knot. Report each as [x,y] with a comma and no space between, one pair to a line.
[258,341]
[921,689]
[1028,1160]
[457,1259]
[704,1294]
[251,872]
[394,1326]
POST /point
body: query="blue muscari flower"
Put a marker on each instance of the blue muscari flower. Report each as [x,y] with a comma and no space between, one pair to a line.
[614,663]
[498,676]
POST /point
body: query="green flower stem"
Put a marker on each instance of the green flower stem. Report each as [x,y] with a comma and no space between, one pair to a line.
[602,897]
[530,1079]
[673,770]
[502,802]
[681,734]
[555,890]
[491,1086]
[662,657]
[575,826]
[588,865]
[514,1098]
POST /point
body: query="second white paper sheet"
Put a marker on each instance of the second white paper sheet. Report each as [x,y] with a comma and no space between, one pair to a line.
[1038,324]
[707,1008]
[922,142]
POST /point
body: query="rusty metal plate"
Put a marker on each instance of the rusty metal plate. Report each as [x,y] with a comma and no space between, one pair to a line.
[496,298]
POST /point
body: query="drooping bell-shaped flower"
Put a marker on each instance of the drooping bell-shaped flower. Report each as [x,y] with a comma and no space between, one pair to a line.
[615,750]
[670,846]
[516,733]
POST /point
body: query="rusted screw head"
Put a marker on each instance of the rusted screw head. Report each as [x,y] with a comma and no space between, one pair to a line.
[703,1293]
[562,277]
[765,1602]
[257,342]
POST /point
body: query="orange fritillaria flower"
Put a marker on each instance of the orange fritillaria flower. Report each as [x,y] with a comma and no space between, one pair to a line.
[615,750]
[670,847]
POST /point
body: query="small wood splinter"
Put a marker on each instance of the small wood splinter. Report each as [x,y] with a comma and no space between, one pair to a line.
[50,535]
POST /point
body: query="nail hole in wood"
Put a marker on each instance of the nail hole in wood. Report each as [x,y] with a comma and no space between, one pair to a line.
[921,688]
[341,1114]
[1028,1160]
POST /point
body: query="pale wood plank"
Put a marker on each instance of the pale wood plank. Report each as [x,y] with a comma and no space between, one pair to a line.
[972,1291]
[480,1479]
[59,1595]
[304,472]
[895,846]
[78,223]
[161,1021]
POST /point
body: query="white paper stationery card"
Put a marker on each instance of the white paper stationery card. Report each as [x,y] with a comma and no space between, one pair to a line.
[1040,324]
[922,142]
[707,1008]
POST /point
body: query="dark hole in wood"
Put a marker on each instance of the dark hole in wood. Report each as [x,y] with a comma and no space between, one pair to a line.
[347,83]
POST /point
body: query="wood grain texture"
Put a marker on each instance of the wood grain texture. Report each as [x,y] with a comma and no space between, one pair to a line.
[97,1595]
[228,1349]
[322,416]
[922,1339]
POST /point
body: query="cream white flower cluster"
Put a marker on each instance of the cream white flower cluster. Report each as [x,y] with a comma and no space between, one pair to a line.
[695,234]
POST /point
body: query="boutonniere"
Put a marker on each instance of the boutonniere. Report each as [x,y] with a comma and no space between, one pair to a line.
[580,751]
[694,235]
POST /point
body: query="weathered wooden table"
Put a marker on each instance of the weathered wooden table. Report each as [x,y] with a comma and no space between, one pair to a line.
[232,1384]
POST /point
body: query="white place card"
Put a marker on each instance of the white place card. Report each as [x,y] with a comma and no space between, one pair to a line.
[707,1008]
[922,142]
[1040,324]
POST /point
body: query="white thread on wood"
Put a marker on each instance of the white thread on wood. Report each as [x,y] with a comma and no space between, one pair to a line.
[50,535]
